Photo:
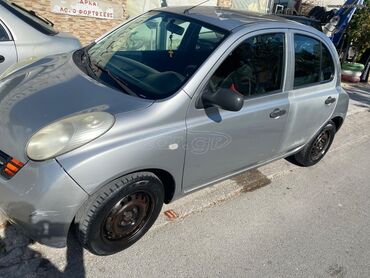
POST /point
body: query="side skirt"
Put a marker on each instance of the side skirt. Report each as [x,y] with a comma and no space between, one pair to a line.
[227,176]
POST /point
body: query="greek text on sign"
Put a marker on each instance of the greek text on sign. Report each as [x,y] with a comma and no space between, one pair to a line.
[91,8]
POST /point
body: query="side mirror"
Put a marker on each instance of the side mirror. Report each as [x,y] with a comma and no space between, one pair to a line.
[223,98]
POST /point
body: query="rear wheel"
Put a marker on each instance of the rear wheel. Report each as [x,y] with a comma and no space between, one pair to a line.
[120,213]
[316,149]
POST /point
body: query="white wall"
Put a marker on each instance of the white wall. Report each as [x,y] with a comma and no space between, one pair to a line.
[135,7]
[260,6]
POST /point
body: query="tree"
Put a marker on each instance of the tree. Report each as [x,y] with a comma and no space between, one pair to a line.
[358,31]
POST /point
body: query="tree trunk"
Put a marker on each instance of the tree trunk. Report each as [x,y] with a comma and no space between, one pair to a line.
[365,59]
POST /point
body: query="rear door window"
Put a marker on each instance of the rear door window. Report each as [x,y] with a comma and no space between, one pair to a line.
[313,61]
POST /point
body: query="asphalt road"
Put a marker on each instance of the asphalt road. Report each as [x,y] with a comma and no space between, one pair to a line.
[309,222]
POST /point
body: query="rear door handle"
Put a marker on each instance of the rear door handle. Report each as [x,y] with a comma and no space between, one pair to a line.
[2,59]
[277,113]
[330,100]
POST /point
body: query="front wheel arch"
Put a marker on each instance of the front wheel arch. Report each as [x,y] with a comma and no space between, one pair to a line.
[165,176]
[90,221]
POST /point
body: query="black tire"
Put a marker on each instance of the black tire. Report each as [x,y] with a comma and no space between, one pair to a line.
[314,151]
[120,213]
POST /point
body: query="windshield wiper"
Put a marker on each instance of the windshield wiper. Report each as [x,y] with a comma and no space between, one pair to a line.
[92,67]
[85,60]
[118,81]
[33,13]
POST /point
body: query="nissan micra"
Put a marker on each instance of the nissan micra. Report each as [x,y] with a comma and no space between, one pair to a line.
[169,102]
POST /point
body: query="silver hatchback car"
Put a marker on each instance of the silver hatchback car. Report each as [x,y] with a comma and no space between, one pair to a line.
[170,102]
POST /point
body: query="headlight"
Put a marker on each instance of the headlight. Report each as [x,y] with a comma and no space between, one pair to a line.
[68,134]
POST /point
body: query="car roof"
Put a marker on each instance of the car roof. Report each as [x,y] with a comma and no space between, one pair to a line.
[225,18]
[297,17]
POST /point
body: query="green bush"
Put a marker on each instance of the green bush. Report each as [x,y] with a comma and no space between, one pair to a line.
[358,31]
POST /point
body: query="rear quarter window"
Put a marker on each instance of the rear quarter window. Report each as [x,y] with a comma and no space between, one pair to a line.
[3,34]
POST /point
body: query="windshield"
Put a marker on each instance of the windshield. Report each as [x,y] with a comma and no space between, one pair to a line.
[31,18]
[155,54]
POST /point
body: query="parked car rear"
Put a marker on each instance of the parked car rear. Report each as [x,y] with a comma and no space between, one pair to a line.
[25,35]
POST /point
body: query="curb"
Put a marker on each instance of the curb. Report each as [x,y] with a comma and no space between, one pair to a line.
[210,196]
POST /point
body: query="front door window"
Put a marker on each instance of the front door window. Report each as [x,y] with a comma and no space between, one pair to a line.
[254,68]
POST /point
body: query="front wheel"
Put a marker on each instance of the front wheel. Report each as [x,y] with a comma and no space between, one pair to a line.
[316,149]
[120,213]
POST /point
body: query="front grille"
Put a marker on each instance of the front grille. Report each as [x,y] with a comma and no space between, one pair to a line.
[9,166]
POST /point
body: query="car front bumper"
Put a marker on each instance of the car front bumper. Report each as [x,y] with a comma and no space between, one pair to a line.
[43,200]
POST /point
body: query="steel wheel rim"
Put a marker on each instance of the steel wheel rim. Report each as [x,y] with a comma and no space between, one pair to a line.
[320,145]
[128,216]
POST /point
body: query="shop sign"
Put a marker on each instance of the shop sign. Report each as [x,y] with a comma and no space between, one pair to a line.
[90,8]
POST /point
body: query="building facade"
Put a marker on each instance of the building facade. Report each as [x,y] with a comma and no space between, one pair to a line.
[89,19]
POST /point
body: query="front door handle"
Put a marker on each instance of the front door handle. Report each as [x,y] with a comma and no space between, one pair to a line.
[330,100]
[2,59]
[277,113]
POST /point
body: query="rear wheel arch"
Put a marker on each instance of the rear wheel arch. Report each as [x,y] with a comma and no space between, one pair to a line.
[320,143]
[338,121]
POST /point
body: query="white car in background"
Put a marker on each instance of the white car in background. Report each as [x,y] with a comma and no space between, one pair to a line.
[25,36]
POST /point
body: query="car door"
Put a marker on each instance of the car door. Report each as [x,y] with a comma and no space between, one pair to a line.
[8,53]
[314,87]
[222,142]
